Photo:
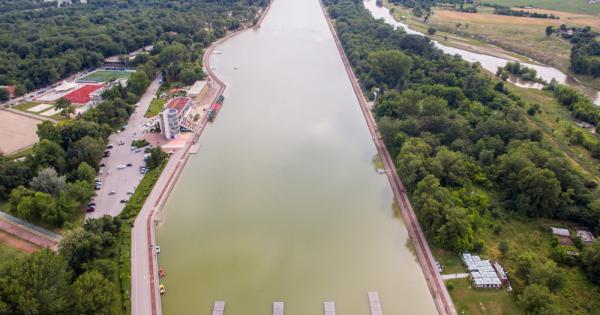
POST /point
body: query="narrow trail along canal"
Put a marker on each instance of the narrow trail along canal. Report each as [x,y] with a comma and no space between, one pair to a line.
[282,202]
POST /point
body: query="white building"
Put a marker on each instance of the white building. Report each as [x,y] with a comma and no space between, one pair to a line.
[171,116]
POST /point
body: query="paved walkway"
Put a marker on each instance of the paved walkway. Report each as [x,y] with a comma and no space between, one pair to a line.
[455,276]
[438,290]
[29,232]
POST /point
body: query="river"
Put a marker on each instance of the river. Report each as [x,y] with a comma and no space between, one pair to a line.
[490,63]
[283,202]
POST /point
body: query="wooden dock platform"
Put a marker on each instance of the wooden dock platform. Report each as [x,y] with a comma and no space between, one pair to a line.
[374,303]
[329,307]
[277,308]
[219,308]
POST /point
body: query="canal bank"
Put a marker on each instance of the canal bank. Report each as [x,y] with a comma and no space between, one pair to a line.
[282,203]
[437,288]
[145,295]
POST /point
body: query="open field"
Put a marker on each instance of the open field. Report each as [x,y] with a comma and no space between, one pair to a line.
[481,301]
[575,6]
[17,132]
[8,253]
[522,35]
[105,75]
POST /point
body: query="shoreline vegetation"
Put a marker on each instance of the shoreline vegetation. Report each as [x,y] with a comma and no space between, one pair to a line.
[490,167]
[462,30]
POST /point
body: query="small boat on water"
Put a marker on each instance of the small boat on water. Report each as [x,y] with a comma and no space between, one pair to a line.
[162,289]
[162,273]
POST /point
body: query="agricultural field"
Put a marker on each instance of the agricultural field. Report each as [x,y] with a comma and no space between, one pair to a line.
[106,75]
[521,35]
[18,132]
[575,6]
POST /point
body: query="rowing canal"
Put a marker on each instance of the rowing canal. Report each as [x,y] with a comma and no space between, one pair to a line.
[283,202]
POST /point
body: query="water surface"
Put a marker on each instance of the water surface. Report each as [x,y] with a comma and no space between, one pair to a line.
[282,202]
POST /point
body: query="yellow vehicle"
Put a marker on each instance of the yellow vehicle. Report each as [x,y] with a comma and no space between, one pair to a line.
[162,289]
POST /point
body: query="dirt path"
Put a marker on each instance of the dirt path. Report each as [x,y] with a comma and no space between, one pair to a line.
[436,285]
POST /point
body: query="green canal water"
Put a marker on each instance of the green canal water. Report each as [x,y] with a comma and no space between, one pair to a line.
[282,202]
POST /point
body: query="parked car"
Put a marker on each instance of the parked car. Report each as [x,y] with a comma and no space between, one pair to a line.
[123,201]
[121,167]
[90,208]
[130,192]
[110,146]
[129,164]
[112,192]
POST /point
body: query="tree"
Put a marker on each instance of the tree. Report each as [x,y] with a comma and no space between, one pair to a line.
[549,30]
[138,82]
[538,300]
[591,262]
[4,95]
[84,172]
[157,156]
[93,294]
[36,284]
[48,154]
[12,174]
[539,192]
[67,111]
[431,31]
[456,233]
[65,106]
[389,67]
[48,181]
[87,149]
[503,247]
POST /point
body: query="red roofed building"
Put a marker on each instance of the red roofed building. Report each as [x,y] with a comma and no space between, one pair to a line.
[181,104]
[82,95]
[11,90]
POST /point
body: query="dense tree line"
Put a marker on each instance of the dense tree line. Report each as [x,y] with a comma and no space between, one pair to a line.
[79,280]
[460,141]
[40,44]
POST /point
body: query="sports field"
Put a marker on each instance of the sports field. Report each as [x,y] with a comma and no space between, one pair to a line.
[17,132]
[105,75]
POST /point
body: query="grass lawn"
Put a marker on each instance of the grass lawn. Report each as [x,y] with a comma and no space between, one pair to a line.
[26,105]
[8,254]
[481,301]
[22,153]
[106,75]
[156,106]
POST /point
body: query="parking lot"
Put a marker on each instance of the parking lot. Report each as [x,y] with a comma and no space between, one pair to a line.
[118,182]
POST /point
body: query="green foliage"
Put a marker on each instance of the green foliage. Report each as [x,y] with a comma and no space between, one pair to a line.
[44,43]
[156,158]
[36,284]
[591,262]
[538,300]
[93,294]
